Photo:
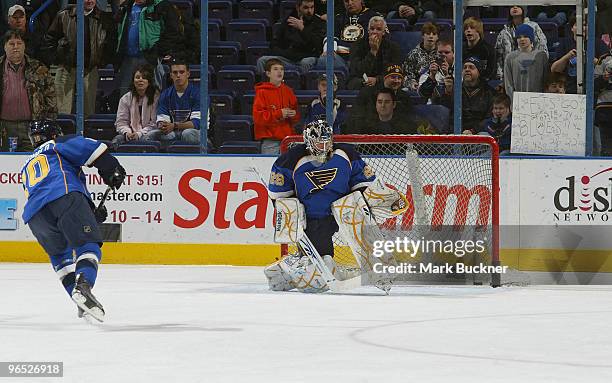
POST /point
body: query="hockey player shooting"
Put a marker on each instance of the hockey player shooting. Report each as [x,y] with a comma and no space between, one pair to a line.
[319,188]
[60,212]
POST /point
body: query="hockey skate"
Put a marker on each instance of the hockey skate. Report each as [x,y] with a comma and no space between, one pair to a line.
[85,300]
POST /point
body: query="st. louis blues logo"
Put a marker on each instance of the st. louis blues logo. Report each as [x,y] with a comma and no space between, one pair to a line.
[321,178]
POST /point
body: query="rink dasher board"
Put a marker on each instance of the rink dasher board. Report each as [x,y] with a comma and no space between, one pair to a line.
[204,210]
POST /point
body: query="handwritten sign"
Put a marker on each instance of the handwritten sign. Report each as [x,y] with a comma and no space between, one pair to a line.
[548,123]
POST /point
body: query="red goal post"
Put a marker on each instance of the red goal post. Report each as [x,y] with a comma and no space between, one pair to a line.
[460,171]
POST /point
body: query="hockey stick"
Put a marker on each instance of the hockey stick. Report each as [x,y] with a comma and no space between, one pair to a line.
[106,193]
[307,248]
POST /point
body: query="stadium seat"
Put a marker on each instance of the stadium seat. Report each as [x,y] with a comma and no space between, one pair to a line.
[103,116]
[406,40]
[220,9]
[195,73]
[106,80]
[437,115]
[222,53]
[99,129]
[139,147]
[180,147]
[214,29]
[246,103]
[398,25]
[238,78]
[293,79]
[471,12]
[222,101]
[285,8]
[255,9]
[67,122]
[551,30]
[233,128]
[255,50]
[240,147]
[304,98]
[493,25]
[247,30]
[348,98]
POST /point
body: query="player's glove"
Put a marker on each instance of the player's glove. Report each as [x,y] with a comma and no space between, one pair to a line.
[101,214]
[113,178]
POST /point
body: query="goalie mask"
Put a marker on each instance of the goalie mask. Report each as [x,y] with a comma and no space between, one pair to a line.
[318,139]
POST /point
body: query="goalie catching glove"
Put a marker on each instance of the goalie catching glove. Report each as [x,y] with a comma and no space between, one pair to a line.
[384,202]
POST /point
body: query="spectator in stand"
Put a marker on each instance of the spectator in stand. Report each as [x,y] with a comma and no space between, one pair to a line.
[317,109]
[499,125]
[299,40]
[555,83]
[275,109]
[506,39]
[26,92]
[178,109]
[365,105]
[59,47]
[137,111]
[408,10]
[525,70]
[350,27]
[474,45]
[149,32]
[17,20]
[567,63]
[476,94]
[431,83]
[421,57]
[372,55]
[387,119]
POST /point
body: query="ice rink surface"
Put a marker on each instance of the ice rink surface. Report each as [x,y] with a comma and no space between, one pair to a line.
[221,324]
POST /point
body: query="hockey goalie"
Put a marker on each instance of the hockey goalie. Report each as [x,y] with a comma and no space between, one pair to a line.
[320,188]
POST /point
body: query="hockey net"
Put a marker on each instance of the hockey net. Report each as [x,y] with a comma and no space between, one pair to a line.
[452,185]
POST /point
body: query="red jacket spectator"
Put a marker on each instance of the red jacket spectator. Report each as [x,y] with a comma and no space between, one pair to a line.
[267,111]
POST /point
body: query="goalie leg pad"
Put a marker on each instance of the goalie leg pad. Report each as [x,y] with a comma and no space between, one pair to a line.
[279,273]
[308,279]
[359,229]
[289,220]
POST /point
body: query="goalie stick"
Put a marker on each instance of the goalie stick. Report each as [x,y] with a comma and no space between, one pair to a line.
[307,248]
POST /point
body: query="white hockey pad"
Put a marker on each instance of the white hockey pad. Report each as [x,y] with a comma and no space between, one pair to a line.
[279,273]
[289,221]
[359,229]
[385,202]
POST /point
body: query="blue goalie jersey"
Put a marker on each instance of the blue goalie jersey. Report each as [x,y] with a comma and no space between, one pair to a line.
[54,170]
[317,185]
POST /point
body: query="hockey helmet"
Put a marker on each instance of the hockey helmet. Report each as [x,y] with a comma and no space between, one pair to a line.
[41,131]
[318,139]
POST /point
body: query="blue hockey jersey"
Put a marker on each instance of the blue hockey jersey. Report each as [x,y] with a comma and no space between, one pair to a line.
[54,170]
[317,185]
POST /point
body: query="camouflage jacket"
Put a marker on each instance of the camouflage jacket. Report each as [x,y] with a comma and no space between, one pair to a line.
[40,87]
